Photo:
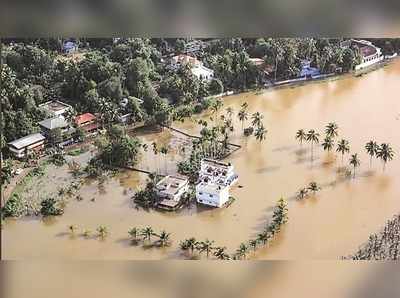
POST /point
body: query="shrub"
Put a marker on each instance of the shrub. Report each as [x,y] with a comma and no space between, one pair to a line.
[49,207]
[13,207]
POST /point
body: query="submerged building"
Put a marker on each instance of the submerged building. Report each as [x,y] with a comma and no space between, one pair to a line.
[170,191]
[215,180]
[370,54]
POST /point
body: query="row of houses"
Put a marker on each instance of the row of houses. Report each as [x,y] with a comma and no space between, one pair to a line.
[212,188]
[35,143]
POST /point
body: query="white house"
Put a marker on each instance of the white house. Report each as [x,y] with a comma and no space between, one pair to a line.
[23,146]
[370,54]
[170,190]
[55,107]
[215,180]
[202,72]
[197,67]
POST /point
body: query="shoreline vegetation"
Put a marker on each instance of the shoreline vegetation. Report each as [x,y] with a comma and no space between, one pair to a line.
[381,246]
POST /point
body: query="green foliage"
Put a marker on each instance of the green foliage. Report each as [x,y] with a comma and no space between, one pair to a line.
[49,208]
[14,207]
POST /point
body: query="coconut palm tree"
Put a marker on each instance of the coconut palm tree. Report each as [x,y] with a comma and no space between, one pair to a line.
[164,238]
[243,116]
[253,243]
[216,106]
[301,136]
[205,246]
[229,112]
[260,133]
[302,193]
[192,244]
[242,250]
[343,147]
[147,233]
[263,237]
[313,137]
[220,253]
[372,149]
[331,130]
[256,119]
[155,151]
[385,153]
[86,233]
[355,162]
[328,144]
[102,231]
[72,229]
[164,151]
[133,233]
[313,186]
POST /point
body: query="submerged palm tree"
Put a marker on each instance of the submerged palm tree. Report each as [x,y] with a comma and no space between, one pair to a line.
[205,246]
[164,238]
[343,147]
[147,233]
[220,253]
[331,130]
[164,151]
[257,119]
[328,144]
[134,232]
[243,116]
[242,251]
[72,229]
[372,149]
[263,237]
[302,193]
[253,243]
[260,133]
[102,232]
[229,112]
[313,186]
[385,153]
[313,137]
[301,136]
[355,162]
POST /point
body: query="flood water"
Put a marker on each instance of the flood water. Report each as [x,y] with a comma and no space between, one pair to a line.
[331,224]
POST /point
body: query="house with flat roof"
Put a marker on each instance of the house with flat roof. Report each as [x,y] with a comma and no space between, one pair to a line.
[87,121]
[26,145]
[215,180]
[370,54]
[196,66]
[55,107]
[170,190]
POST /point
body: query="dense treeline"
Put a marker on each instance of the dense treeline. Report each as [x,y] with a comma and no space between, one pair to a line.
[105,71]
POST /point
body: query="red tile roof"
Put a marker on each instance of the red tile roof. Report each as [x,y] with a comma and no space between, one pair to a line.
[87,117]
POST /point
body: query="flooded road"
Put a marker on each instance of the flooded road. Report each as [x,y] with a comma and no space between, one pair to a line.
[331,224]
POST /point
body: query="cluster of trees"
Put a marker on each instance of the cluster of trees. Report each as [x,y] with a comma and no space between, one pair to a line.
[384,151]
[146,234]
[50,207]
[101,232]
[381,246]
[279,218]
[108,71]
[115,149]
[192,246]
[305,191]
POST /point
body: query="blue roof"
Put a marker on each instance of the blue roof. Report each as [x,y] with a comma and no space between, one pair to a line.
[309,71]
[69,45]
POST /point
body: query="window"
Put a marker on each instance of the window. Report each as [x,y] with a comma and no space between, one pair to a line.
[200,193]
[210,195]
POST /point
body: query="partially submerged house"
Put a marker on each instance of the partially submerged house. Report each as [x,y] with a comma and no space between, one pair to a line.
[370,54]
[170,191]
[70,47]
[26,145]
[215,180]
[49,126]
[307,70]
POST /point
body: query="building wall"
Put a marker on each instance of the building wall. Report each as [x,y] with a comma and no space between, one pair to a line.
[217,199]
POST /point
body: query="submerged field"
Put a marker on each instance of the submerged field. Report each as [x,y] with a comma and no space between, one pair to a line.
[331,224]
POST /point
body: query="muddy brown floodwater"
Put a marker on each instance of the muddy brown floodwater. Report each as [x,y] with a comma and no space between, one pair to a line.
[332,224]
